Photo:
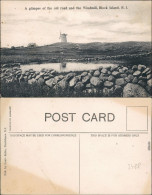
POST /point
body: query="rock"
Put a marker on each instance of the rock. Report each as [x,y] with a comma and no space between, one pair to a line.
[149,89]
[57,79]
[41,81]
[142,83]
[104,71]
[135,80]
[130,71]
[29,77]
[95,81]
[121,70]
[111,78]
[31,81]
[70,76]
[79,86]
[120,82]
[143,78]
[149,83]
[100,68]
[131,77]
[27,73]
[91,72]
[61,77]
[53,72]
[50,82]
[149,76]
[115,73]
[46,77]
[113,67]
[127,80]
[86,79]
[96,73]
[63,84]
[25,78]
[141,67]
[37,77]
[84,74]
[93,91]
[135,67]
[88,85]
[137,73]
[73,81]
[31,70]
[124,69]
[108,84]
[89,75]
[107,92]
[146,70]
[42,73]
[123,75]
[118,90]
[134,90]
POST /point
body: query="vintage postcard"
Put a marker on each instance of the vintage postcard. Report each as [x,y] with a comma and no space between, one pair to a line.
[76,85]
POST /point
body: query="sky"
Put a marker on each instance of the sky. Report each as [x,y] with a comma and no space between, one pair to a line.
[21,26]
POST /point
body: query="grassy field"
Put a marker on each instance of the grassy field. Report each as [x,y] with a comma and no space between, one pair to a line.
[136,52]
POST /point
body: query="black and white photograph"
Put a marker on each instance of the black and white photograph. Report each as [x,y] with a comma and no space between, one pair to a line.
[76,49]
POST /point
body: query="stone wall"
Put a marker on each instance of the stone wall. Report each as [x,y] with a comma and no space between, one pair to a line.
[115,81]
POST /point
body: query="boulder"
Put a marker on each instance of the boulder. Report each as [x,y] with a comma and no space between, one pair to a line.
[46,77]
[84,74]
[63,84]
[142,83]
[31,81]
[107,92]
[146,70]
[88,85]
[70,76]
[96,73]
[57,79]
[124,69]
[40,81]
[111,78]
[73,81]
[38,76]
[121,70]
[79,86]
[108,84]
[86,79]
[149,82]
[115,73]
[120,82]
[137,73]
[50,82]
[134,90]
[143,78]
[131,77]
[149,76]
[95,81]
[141,67]
[53,72]
[118,90]
[104,71]
[123,75]
[135,80]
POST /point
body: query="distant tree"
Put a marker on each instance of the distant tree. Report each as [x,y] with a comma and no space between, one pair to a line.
[32,45]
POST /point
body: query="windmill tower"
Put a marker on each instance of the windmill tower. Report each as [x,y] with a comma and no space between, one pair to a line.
[63,37]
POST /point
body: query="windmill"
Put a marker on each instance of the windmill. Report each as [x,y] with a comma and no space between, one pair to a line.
[63,37]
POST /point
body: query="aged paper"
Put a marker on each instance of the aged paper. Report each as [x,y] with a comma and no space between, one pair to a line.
[76,97]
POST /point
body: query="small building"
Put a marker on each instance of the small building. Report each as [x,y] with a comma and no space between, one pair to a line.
[63,37]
